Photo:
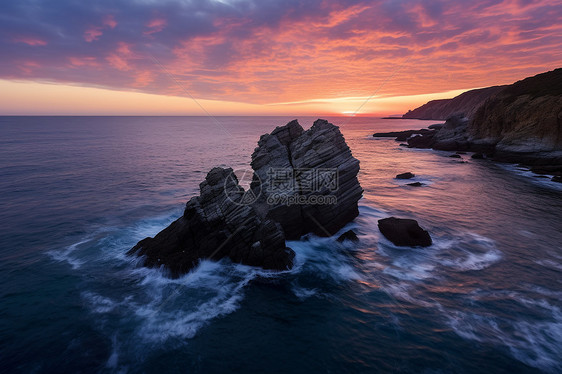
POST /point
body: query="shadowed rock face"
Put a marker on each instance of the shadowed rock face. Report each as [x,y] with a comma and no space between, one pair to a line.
[520,123]
[221,223]
[215,225]
[465,104]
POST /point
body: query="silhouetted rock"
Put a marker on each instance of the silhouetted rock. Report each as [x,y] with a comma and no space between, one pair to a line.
[320,196]
[415,184]
[402,135]
[436,126]
[404,232]
[348,235]
[422,141]
[407,175]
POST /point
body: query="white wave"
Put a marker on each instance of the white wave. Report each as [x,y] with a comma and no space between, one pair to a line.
[468,253]
[67,254]
[549,264]
[536,343]
[303,293]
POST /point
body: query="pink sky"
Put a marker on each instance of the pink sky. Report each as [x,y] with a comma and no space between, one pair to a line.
[268,57]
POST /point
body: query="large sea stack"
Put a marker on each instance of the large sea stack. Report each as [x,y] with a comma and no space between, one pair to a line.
[303,182]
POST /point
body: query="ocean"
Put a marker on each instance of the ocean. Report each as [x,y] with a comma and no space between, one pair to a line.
[77,192]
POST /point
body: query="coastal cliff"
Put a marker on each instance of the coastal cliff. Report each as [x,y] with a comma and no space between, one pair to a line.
[519,123]
[523,119]
[466,103]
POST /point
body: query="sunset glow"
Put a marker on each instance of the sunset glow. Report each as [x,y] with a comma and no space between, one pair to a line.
[267,57]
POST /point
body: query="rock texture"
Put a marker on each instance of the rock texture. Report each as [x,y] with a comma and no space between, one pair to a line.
[466,104]
[215,225]
[523,121]
[221,222]
[519,123]
[314,155]
[404,232]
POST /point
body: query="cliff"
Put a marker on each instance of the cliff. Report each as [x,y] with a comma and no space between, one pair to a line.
[525,117]
[466,103]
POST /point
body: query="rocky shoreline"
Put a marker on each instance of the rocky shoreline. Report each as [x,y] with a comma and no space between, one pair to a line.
[520,123]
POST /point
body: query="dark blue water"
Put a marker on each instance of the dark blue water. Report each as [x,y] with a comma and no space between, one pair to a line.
[77,192]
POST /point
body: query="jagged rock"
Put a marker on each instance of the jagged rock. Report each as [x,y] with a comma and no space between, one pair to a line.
[223,222]
[348,235]
[404,232]
[407,175]
[215,225]
[323,166]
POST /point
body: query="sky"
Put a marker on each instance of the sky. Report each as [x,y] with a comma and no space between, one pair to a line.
[260,57]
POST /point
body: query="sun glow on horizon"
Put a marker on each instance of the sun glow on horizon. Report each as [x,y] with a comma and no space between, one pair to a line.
[42,98]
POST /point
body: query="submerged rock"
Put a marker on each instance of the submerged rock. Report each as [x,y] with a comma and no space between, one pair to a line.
[303,182]
[404,232]
[415,184]
[407,175]
[348,235]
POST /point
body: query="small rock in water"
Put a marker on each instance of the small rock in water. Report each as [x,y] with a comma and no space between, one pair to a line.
[407,175]
[404,232]
[415,184]
[348,235]
[455,156]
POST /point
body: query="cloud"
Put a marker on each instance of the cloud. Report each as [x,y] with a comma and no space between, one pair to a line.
[280,51]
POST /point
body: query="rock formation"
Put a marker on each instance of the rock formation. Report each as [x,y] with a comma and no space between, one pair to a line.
[322,165]
[215,225]
[304,182]
[404,232]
